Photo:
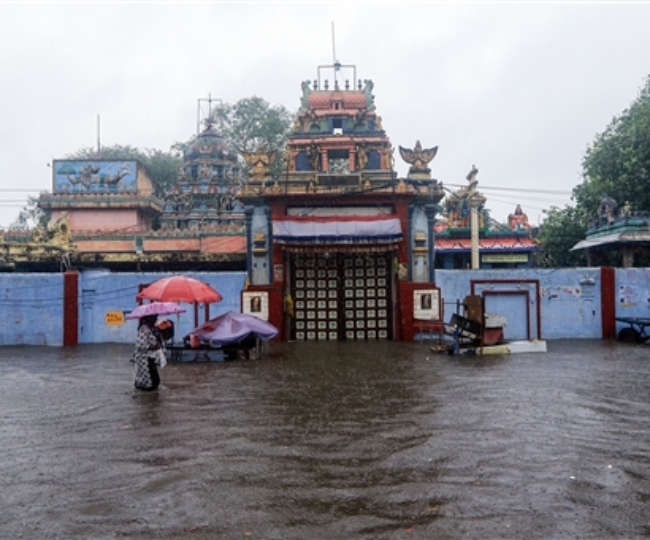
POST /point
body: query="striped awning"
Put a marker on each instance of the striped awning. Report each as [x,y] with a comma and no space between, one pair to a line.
[305,230]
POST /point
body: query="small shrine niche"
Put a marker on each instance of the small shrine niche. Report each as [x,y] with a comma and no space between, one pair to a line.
[518,221]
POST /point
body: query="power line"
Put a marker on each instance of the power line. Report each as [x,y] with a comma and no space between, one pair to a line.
[14,190]
[524,190]
[514,203]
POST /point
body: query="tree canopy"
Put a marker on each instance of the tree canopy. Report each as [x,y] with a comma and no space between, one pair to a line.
[247,125]
[253,123]
[30,216]
[616,165]
[560,231]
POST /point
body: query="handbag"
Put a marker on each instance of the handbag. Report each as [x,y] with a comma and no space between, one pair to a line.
[160,358]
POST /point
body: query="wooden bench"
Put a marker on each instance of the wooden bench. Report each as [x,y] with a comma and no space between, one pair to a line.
[243,350]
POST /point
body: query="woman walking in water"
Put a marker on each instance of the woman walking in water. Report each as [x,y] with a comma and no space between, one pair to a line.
[148,346]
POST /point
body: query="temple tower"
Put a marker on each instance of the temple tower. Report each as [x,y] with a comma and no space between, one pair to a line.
[330,243]
[203,197]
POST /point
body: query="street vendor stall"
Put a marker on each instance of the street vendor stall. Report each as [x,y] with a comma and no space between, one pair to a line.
[235,335]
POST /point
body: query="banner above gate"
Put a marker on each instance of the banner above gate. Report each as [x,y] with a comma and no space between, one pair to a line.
[378,229]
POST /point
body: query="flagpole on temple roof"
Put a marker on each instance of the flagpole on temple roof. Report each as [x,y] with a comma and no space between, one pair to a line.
[99,146]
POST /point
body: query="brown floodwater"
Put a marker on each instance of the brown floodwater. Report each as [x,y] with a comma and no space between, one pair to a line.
[328,441]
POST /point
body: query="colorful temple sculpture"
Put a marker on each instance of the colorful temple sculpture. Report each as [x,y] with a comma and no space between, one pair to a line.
[106,205]
[104,195]
[499,246]
[49,249]
[204,197]
[618,236]
[339,248]
[111,209]
[335,247]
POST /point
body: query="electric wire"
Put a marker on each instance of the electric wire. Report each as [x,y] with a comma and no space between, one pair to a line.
[123,292]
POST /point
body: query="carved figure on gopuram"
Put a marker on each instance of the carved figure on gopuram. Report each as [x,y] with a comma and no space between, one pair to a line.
[306,90]
[607,211]
[314,157]
[311,120]
[59,231]
[471,178]
[459,204]
[418,158]
[360,117]
[89,174]
[260,163]
[367,90]
[518,221]
[362,157]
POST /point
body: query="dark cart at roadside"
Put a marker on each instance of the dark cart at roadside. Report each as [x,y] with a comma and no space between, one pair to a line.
[635,332]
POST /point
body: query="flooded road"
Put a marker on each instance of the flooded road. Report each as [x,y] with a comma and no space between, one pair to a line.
[328,441]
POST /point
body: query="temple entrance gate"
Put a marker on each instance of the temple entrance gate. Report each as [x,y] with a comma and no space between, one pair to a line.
[341,296]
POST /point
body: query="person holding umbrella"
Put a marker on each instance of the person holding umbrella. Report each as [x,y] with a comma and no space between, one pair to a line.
[147,345]
[149,352]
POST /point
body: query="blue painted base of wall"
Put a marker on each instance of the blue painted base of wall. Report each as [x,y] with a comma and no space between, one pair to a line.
[569,300]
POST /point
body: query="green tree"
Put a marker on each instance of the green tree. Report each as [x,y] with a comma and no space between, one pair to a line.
[252,123]
[31,216]
[617,164]
[561,230]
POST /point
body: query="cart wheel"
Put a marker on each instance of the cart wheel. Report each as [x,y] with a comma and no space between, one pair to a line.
[628,335]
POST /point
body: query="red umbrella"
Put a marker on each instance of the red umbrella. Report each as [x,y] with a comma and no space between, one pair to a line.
[181,289]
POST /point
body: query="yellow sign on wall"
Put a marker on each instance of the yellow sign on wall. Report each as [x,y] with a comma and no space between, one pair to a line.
[505,258]
[114,317]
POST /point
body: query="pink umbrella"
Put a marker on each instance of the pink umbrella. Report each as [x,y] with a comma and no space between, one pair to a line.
[156,308]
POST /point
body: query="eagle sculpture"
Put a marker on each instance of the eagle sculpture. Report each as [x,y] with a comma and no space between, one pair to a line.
[260,163]
[418,158]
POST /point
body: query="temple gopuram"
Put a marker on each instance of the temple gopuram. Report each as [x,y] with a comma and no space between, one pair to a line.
[204,197]
[332,242]
[335,247]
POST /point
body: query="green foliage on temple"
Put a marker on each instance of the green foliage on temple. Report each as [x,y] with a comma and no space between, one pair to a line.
[31,216]
[253,123]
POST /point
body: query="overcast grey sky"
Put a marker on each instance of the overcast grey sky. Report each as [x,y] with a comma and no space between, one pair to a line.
[519,89]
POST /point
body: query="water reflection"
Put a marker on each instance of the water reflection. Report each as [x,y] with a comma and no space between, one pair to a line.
[378,440]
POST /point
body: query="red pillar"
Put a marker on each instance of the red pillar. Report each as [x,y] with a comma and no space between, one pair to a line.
[608,301]
[70,308]
[404,330]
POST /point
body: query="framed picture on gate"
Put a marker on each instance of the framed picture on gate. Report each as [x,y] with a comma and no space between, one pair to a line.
[426,304]
[255,303]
